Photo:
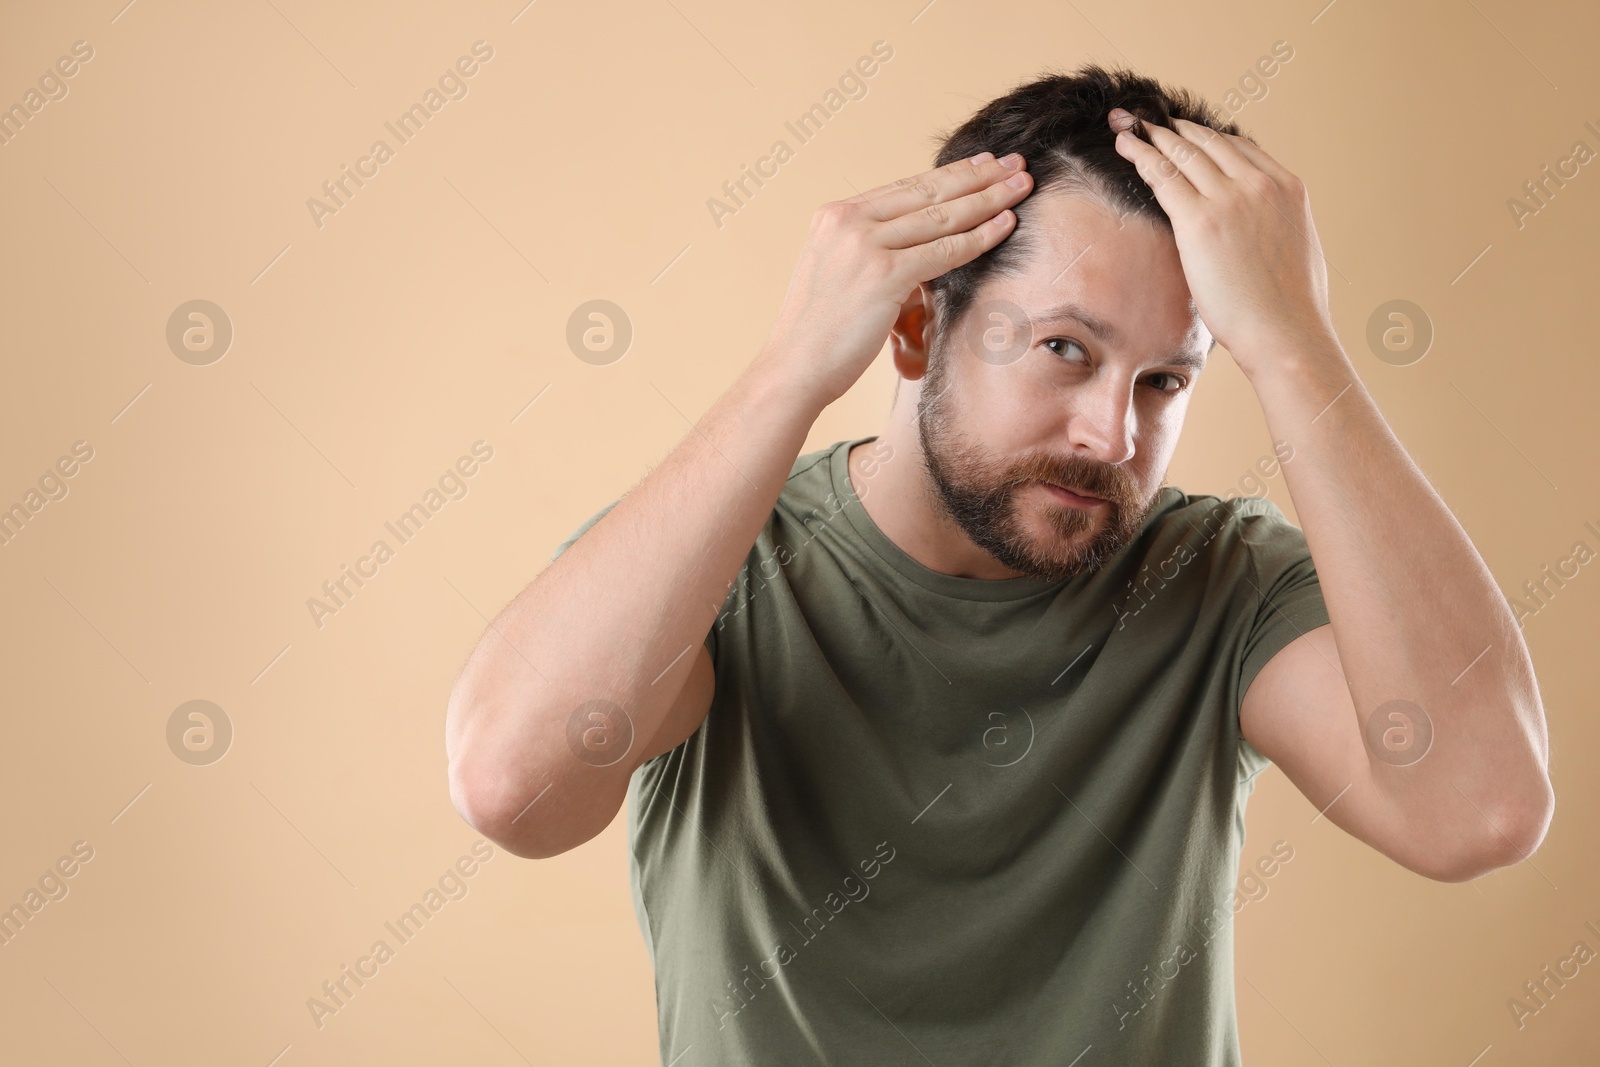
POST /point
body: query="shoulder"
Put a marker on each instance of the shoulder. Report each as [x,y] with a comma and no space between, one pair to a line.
[1242,543]
[1209,522]
[810,483]
[821,479]
[1183,506]
[812,462]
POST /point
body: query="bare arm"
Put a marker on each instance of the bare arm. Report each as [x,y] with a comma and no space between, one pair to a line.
[618,615]
[636,592]
[1422,651]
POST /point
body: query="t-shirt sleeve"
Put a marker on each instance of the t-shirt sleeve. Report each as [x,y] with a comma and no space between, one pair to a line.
[1287,595]
[711,636]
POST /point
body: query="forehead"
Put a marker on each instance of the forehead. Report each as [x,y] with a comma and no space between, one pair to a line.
[1124,270]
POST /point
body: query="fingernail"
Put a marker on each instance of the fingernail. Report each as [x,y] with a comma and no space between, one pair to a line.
[1012,161]
[1117,113]
[981,157]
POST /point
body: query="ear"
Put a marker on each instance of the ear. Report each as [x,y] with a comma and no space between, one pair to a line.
[911,333]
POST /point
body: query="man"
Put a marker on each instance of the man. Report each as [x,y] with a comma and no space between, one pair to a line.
[958,772]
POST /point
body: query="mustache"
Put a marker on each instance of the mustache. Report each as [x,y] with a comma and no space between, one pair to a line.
[1096,479]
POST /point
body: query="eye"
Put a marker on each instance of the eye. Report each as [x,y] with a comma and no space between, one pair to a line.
[1066,341]
[1179,381]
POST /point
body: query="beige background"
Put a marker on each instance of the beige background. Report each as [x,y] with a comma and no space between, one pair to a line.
[369,353]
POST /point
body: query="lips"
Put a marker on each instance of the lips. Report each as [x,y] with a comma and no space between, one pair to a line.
[1077,491]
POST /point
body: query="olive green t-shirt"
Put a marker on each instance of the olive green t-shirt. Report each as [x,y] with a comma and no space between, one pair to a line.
[962,821]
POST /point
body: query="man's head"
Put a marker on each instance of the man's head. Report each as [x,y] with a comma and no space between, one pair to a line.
[1067,353]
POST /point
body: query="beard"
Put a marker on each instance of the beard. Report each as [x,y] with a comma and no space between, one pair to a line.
[980,494]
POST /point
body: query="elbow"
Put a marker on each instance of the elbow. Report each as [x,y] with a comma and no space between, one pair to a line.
[518,816]
[1522,826]
[474,801]
[485,808]
[481,786]
[481,799]
[1510,835]
[517,790]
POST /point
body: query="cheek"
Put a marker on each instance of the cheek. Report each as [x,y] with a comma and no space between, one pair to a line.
[1027,423]
[996,403]
[1159,429]
[1164,414]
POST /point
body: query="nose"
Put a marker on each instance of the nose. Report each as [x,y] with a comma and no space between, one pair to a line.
[1102,418]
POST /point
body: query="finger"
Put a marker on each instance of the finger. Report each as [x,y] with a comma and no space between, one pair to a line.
[932,221]
[1263,162]
[975,162]
[934,186]
[1172,189]
[1228,159]
[1188,158]
[924,262]
[972,160]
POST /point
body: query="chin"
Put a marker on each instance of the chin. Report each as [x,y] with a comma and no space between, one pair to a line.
[1086,519]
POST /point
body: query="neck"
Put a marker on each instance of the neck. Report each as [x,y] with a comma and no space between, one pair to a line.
[900,498]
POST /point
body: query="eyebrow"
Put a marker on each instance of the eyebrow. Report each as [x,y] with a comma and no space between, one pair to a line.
[1108,334]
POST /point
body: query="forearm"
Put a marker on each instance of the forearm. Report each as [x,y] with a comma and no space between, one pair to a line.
[1416,613]
[621,614]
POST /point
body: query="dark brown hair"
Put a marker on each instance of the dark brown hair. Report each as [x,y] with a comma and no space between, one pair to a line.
[1058,123]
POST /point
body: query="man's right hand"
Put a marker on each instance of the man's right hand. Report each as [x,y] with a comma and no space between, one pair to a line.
[864,256]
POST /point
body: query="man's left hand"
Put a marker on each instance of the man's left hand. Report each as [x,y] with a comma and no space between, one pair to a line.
[1243,227]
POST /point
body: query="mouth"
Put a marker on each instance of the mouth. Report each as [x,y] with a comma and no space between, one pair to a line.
[1077,498]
